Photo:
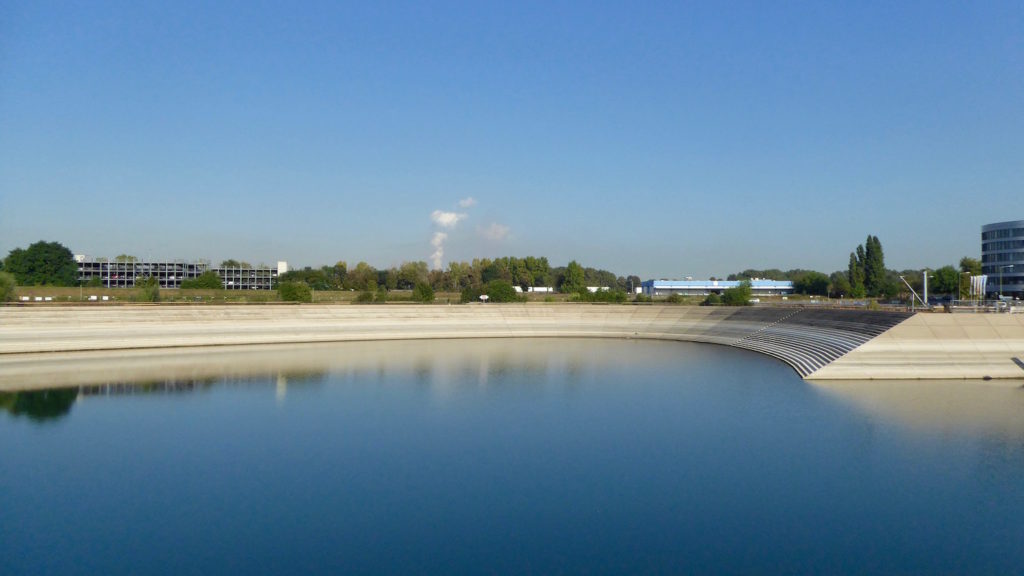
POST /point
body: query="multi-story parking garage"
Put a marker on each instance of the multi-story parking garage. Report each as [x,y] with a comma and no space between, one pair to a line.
[171,274]
[1002,257]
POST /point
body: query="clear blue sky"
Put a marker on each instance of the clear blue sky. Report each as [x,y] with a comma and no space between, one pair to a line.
[661,139]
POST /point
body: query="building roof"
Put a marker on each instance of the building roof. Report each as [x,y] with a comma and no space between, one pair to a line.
[706,284]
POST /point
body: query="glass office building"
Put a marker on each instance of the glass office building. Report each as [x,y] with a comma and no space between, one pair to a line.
[1002,253]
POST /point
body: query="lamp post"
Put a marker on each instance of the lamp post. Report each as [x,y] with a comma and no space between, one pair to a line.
[1001,268]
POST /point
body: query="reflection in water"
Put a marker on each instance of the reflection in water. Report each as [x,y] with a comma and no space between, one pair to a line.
[443,367]
[436,365]
[439,367]
[994,409]
[39,405]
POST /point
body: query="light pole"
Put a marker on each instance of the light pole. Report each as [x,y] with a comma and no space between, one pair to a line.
[1001,268]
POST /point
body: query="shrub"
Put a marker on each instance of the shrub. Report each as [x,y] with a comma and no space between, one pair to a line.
[208,280]
[149,290]
[364,298]
[294,292]
[382,295]
[422,292]
[641,298]
[674,298]
[611,296]
[738,296]
[712,300]
[501,291]
[7,286]
[471,294]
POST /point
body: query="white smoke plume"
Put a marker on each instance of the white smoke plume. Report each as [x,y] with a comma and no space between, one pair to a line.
[446,219]
[438,243]
[494,232]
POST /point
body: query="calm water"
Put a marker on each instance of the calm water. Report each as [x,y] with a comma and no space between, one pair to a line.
[513,457]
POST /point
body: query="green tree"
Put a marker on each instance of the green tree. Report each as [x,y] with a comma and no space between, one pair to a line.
[125,258]
[811,282]
[422,292]
[412,273]
[471,294]
[391,279]
[43,264]
[855,275]
[738,296]
[149,289]
[574,280]
[840,284]
[968,267]
[501,291]
[712,299]
[363,277]
[873,264]
[944,280]
[7,286]
[339,272]
[208,280]
[294,292]
[972,265]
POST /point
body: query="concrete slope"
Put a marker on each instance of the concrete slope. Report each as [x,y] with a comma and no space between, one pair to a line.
[806,339]
[937,346]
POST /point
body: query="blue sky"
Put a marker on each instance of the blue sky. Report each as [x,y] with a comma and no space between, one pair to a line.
[658,139]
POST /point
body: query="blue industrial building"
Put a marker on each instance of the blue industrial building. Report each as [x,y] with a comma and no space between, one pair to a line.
[758,287]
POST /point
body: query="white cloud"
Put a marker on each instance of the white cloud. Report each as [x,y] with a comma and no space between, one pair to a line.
[467,202]
[494,232]
[446,219]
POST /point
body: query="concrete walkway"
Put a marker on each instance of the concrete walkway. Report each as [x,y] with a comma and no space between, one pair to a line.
[937,346]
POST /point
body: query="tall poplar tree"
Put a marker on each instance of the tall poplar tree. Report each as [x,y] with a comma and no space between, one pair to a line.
[855,274]
[874,266]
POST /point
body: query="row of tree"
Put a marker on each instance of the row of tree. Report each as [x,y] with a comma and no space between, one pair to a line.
[52,264]
[867,276]
[524,272]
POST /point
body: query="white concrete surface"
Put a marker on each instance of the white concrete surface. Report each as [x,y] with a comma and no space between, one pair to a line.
[927,346]
[935,347]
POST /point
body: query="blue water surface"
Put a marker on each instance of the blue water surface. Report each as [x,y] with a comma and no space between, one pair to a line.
[510,457]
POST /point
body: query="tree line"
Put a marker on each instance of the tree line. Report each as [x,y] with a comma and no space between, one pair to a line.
[867,277]
[524,272]
[52,264]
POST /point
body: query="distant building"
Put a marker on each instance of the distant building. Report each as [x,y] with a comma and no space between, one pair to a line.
[170,274]
[1002,251]
[758,287]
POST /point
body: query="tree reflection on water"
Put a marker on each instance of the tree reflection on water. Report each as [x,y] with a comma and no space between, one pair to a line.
[39,405]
